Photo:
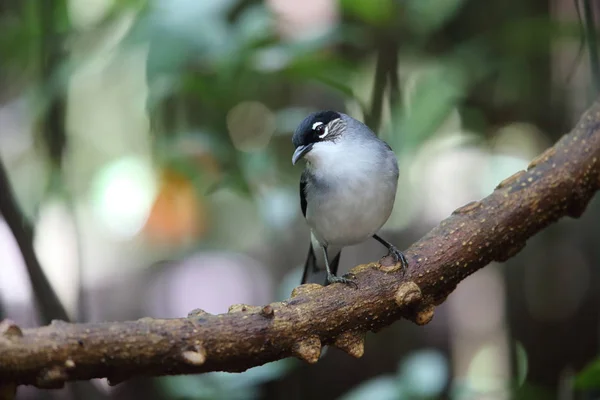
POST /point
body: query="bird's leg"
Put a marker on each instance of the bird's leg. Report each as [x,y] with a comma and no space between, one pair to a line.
[331,278]
[393,251]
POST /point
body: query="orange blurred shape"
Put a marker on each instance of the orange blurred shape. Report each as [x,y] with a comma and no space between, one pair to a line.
[178,214]
[208,164]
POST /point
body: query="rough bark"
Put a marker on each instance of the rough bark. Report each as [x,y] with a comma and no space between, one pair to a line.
[560,182]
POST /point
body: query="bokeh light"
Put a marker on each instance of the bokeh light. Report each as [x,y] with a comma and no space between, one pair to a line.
[122,195]
[56,245]
[250,125]
[448,172]
[211,281]
[313,18]
[424,373]
[14,286]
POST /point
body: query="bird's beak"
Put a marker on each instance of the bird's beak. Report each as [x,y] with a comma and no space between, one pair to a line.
[300,152]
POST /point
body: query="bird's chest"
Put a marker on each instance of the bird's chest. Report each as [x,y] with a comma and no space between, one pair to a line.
[346,211]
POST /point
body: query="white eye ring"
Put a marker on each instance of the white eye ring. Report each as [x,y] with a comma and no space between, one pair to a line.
[325,133]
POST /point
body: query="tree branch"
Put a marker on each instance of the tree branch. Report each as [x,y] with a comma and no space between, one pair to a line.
[47,301]
[591,39]
[559,182]
[373,119]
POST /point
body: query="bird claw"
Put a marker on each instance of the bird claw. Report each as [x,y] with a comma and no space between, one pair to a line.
[346,280]
[398,256]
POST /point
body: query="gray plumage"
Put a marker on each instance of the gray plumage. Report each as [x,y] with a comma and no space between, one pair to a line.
[348,187]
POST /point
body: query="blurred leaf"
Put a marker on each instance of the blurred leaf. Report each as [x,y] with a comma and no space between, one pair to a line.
[434,94]
[589,377]
[375,12]
[380,388]
[424,373]
[435,91]
[304,52]
[21,38]
[125,5]
[327,69]
[425,16]
[224,385]
[188,387]
[180,31]
[254,376]
[254,24]
[233,180]
[185,31]
[257,164]
[60,17]
[522,363]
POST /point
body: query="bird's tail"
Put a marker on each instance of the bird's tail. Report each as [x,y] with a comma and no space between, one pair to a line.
[314,268]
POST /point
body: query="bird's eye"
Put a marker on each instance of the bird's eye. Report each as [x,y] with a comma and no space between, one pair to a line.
[320,129]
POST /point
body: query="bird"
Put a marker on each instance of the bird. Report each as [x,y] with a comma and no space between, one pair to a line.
[347,190]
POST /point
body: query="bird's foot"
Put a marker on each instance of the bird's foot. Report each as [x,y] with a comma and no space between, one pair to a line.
[398,257]
[347,279]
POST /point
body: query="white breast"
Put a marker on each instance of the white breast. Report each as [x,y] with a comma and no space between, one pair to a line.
[353,191]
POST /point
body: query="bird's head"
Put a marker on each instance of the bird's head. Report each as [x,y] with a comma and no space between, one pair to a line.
[318,130]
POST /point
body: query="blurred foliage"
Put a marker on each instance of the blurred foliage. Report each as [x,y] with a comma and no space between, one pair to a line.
[223,385]
[421,375]
[589,377]
[204,58]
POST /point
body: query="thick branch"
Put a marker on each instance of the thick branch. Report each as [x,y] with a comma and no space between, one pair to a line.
[559,182]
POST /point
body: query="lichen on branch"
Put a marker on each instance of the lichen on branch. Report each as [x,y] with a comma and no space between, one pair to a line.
[558,183]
